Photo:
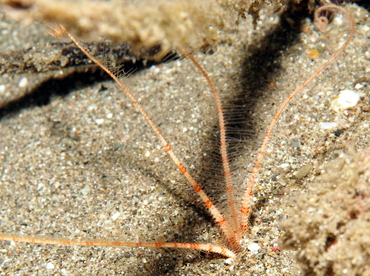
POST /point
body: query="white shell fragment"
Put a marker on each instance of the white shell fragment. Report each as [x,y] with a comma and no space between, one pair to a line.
[115,216]
[328,125]
[345,100]
[23,82]
[253,247]
[50,266]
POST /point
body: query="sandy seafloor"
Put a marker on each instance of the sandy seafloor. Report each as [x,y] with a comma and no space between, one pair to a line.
[83,165]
